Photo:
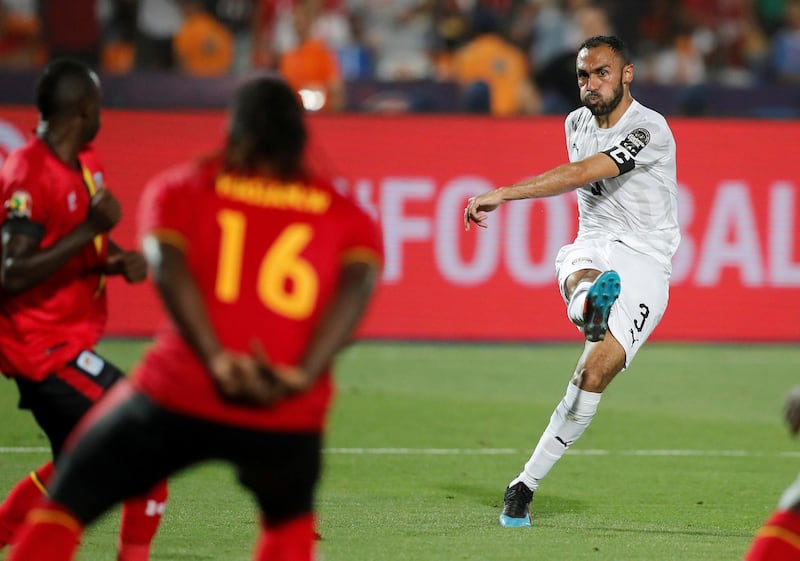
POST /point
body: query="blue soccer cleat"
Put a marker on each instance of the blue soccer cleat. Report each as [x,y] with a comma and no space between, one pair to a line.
[516,506]
[602,295]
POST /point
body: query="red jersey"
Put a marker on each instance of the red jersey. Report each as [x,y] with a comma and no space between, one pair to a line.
[266,257]
[46,325]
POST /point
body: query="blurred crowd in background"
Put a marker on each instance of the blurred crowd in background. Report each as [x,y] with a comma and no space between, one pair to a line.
[509,57]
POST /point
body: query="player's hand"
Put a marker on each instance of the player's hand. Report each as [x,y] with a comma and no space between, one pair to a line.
[130,264]
[241,380]
[792,410]
[290,379]
[479,205]
[104,211]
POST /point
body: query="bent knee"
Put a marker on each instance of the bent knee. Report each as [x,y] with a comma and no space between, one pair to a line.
[592,380]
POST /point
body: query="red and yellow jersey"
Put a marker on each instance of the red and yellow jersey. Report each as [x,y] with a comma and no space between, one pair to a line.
[267,258]
[47,324]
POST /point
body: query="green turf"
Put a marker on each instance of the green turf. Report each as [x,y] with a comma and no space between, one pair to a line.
[685,459]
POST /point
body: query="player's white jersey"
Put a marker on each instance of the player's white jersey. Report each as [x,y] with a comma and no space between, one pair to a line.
[639,207]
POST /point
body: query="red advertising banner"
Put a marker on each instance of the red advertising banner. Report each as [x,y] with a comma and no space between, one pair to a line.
[736,276]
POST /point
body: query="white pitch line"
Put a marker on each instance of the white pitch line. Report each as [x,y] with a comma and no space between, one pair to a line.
[499,452]
[578,452]
[422,451]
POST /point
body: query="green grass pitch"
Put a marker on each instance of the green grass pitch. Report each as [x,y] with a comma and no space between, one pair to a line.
[686,457]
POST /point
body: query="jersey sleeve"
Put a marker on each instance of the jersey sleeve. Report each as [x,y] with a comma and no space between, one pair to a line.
[364,242]
[25,205]
[165,211]
[661,144]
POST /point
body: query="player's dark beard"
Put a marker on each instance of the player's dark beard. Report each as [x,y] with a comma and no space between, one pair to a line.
[603,108]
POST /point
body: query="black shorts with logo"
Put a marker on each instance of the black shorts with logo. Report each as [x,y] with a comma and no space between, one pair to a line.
[60,400]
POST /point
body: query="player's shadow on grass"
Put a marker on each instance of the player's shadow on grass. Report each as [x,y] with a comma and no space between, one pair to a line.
[548,507]
[543,508]
[662,531]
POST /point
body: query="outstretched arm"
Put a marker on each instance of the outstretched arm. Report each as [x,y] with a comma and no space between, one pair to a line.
[555,181]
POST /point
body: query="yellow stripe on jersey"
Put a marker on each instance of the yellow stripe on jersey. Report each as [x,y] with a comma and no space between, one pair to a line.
[98,239]
[92,187]
[171,237]
[38,482]
[362,255]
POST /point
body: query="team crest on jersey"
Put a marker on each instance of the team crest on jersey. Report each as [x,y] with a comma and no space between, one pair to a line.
[635,141]
[19,205]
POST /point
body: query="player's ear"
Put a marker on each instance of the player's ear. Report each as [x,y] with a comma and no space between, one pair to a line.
[627,74]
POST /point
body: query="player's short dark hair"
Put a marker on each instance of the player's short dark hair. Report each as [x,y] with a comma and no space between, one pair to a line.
[267,124]
[615,43]
[62,84]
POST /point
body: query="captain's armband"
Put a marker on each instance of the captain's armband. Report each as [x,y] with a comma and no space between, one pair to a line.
[624,152]
[622,158]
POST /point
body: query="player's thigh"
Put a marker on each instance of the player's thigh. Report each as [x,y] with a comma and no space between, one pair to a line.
[281,470]
[56,407]
[121,449]
[642,301]
[61,400]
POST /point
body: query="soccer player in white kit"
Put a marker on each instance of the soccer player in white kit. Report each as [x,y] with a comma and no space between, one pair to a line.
[614,277]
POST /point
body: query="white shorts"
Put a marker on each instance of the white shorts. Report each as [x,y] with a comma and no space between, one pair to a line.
[644,290]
